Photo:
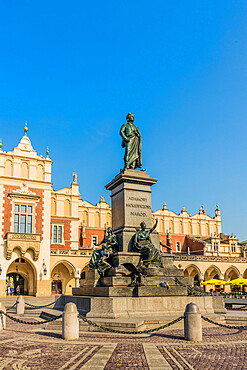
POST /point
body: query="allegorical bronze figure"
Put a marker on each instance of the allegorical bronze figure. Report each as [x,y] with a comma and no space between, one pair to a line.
[143,244]
[100,257]
[132,142]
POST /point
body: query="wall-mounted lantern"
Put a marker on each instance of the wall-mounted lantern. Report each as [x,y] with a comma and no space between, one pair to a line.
[44,268]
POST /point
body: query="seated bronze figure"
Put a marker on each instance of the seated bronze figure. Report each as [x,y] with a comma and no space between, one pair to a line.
[100,257]
[150,256]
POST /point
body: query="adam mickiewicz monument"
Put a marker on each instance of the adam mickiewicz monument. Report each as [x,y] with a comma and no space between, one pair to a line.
[132,142]
[125,273]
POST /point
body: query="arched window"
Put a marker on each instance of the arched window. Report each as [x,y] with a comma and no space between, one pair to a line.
[85,217]
[171,226]
[198,229]
[108,219]
[207,229]
[97,219]
[53,207]
[178,247]
[24,170]
[67,211]
[40,172]
[8,168]
[180,227]
[190,228]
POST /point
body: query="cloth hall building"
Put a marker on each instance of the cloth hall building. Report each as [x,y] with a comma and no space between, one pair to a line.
[48,236]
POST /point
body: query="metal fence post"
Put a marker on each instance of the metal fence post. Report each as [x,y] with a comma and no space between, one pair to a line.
[70,322]
[192,323]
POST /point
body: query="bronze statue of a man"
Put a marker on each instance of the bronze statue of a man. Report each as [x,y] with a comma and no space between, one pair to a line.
[143,244]
[132,142]
[100,257]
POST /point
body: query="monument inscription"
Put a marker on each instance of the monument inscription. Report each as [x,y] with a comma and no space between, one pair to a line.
[137,206]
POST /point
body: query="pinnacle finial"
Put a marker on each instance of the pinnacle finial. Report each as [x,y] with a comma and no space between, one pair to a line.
[25,128]
[1,145]
[47,152]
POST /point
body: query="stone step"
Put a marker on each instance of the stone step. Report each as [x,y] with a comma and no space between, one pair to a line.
[123,291]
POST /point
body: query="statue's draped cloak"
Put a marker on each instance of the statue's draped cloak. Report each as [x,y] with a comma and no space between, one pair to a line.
[133,148]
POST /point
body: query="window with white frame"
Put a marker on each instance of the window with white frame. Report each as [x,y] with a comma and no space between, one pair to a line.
[216,246]
[23,218]
[233,248]
[57,234]
[94,240]
[178,247]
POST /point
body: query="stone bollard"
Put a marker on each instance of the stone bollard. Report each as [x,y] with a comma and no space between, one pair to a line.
[70,325]
[20,305]
[2,317]
[192,323]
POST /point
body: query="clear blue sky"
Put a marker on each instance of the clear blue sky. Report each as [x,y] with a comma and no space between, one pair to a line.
[74,69]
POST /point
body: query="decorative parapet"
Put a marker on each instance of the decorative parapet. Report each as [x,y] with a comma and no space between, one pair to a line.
[23,242]
[181,257]
[71,253]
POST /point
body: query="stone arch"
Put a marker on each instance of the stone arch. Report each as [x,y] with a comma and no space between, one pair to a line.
[67,208]
[24,170]
[212,272]
[192,271]
[63,272]
[245,274]
[8,169]
[25,268]
[232,273]
[30,253]
[53,206]
[40,172]
[17,252]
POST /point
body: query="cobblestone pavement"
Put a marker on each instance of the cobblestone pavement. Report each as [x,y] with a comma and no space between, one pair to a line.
[24,347]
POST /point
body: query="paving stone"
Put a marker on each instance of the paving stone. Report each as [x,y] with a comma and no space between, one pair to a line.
[32,347]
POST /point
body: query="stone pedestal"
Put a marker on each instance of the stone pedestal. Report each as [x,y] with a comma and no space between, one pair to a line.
[117,280]
[131,204]
[118,294]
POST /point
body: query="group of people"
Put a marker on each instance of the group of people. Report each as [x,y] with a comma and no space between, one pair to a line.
[10,290]
[10,287]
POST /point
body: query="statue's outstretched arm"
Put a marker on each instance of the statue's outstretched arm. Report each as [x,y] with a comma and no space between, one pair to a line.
[154,227]
[166,246]
[100,242]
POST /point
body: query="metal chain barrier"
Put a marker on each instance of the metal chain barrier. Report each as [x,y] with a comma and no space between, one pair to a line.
[224,325]
[7,309]
[30,322]
[191,289]
[89,322]
[46,305]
